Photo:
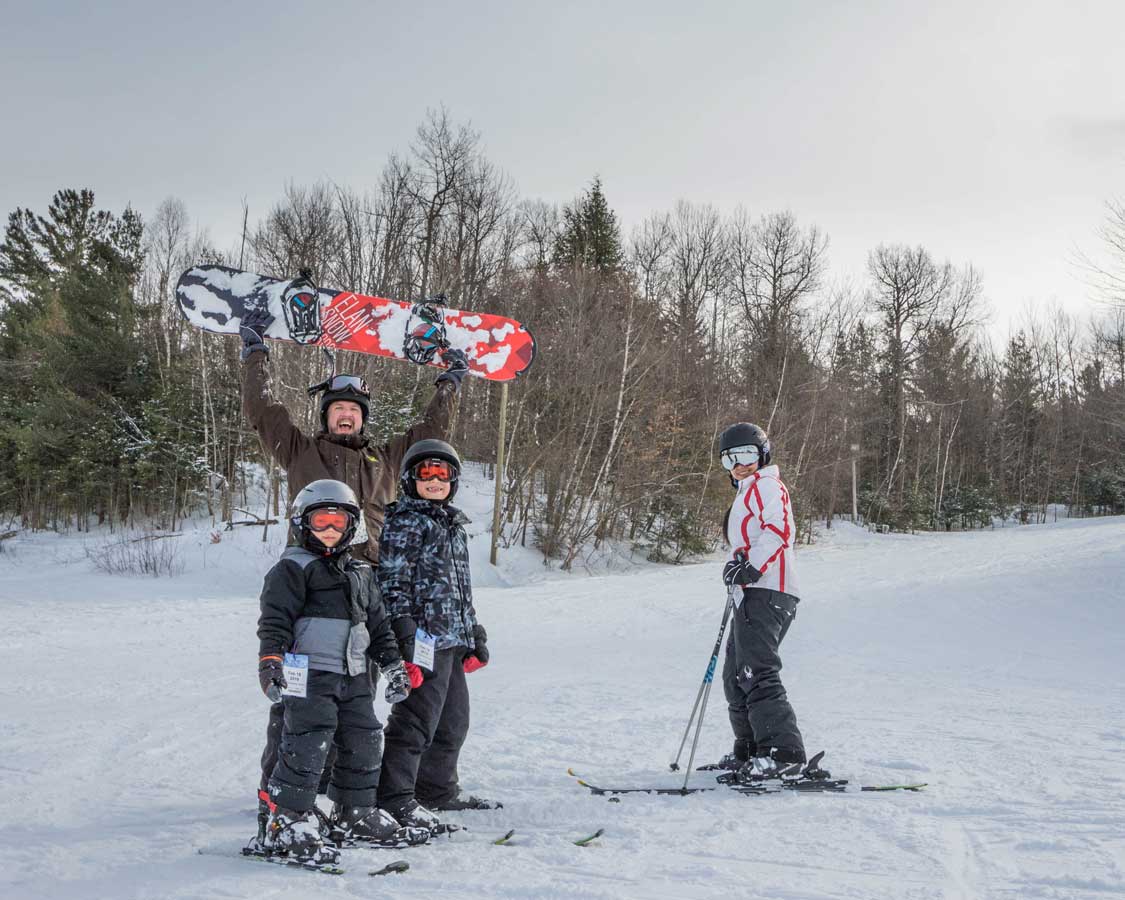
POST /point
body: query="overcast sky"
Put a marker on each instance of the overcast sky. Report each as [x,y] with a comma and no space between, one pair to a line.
[989,132]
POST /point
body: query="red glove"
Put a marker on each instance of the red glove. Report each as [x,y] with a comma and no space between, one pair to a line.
[415,674]
[471,663]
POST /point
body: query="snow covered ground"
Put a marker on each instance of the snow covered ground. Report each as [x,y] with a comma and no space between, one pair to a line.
[991,665]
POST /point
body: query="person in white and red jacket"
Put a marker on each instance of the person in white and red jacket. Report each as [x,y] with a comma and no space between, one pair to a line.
[761,532]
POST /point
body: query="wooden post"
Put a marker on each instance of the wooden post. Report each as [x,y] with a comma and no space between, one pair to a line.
[855,505]
[499,471]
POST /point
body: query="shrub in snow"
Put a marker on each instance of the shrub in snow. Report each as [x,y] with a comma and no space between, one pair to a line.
[149,554]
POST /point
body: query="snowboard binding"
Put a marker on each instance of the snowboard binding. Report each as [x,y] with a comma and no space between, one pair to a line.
[424,340]
[301,304]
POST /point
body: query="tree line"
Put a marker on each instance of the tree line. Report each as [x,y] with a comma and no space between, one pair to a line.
[114,410]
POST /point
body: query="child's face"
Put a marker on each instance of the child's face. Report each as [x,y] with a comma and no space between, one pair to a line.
[432,489]
[330,537]
[741,472]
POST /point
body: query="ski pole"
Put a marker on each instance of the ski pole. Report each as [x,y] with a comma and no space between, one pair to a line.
[705,684]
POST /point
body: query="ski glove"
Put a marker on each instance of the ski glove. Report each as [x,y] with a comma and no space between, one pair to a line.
[398,682]
[477,658]
[414,673]
[252,330]
[457,364]
[404,629]
[271,676]
[739,571]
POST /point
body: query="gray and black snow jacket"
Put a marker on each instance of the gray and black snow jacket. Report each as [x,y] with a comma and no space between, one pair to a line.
[327,608]
[424,570]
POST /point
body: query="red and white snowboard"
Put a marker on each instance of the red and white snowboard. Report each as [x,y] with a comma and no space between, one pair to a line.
[216,298]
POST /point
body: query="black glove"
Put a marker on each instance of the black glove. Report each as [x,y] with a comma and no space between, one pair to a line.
[739,571]
[271,676]
[404,629]
[398,682]
[457,364]
[252,329]
[477,658]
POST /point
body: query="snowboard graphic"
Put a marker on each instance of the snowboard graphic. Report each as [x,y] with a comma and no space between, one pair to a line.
[216,298]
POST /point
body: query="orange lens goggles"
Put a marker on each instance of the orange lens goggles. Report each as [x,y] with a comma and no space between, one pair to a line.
[429,469]
[323,519]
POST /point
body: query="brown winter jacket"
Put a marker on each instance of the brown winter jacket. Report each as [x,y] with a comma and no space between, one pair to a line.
[370,471]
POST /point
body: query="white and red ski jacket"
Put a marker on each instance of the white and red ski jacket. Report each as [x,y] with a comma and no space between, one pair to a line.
[761,523]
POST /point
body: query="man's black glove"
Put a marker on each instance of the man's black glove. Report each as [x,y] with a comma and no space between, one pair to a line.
[271,676]
[404,629]
[456,363]
[477,658]
[398,682]
[252,329]
[739,571]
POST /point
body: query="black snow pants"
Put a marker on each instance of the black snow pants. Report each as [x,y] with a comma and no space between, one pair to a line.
[425,733]
[338,710]
[758,706]
[273,743]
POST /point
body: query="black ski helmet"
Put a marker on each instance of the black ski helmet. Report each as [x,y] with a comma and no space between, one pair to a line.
[430,448]
[325,492]
[345,387]
[745,434]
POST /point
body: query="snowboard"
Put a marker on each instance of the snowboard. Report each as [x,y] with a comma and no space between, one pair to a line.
[216,298]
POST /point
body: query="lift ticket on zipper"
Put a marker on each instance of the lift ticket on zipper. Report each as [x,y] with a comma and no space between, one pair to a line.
[424,645]
[296,667]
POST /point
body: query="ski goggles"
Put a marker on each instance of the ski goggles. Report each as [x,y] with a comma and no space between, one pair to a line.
[739,456]
[429,469]
[348,382]
[328,517]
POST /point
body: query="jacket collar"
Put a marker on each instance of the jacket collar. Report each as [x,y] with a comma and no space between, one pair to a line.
[440,512]
[351,441]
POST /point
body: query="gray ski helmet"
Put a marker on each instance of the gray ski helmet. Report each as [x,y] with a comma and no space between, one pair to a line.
[430,448]
[745,434]
[345,387]
[320,494]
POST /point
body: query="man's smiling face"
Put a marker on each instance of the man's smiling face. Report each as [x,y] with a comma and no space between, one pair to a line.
[344,417]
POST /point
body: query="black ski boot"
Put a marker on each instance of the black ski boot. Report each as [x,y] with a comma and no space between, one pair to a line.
[297,835]
[778,765]
[371,825]
[263,816]
[463,802]
[742,753]
[412,814]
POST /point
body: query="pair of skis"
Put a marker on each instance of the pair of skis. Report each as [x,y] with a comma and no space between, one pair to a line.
[772,786]
[256,854]
[399,866]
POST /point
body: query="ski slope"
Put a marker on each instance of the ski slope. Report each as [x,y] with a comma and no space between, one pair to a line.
[991,665]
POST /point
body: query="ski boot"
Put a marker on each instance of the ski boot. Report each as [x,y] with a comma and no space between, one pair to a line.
[264,804]
[297,835]
[779,765]
[462,802]
[371,825]
[742,753]
[412,814]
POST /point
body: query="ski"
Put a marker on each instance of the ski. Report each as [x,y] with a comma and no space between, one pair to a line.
[504,838]
[325,868]
[395,868]
[582,842]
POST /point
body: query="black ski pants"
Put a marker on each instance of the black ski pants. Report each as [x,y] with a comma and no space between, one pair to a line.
[758,706]
[425,733]
[337,709]
[273,743]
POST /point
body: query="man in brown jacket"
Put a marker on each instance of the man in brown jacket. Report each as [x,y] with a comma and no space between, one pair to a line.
[340,451]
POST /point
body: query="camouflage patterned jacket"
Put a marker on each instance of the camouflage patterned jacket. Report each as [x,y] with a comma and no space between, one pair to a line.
[424,570]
